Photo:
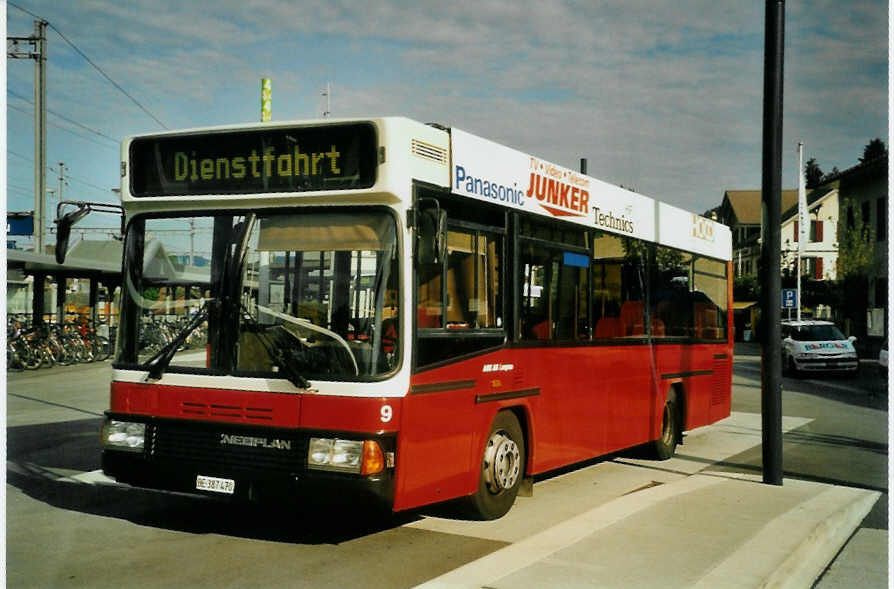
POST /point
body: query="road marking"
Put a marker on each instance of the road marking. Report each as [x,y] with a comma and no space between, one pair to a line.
[45,402]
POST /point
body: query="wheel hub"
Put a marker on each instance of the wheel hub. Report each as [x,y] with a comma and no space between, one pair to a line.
[501,463]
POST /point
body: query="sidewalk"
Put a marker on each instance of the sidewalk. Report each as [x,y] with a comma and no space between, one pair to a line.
[705,531]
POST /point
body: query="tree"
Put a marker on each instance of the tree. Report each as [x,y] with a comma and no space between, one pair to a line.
[854,243]
[812,173]
[874,149]
[746,288]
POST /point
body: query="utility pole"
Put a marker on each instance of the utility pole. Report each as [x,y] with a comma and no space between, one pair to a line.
[38,52]
[192,241]
[62,181]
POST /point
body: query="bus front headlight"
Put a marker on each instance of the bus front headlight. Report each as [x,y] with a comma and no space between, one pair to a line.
[124,435]
[356,456]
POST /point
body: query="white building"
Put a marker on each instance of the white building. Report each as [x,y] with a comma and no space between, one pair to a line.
[819,256]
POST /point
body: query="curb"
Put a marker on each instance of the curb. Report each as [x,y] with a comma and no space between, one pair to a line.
[791,549]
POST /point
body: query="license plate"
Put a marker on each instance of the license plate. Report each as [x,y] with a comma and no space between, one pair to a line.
[215,485]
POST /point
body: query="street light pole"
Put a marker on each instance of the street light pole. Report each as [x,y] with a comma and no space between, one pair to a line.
[771,200]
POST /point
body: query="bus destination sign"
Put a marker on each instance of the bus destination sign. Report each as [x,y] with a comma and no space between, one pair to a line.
[297,159]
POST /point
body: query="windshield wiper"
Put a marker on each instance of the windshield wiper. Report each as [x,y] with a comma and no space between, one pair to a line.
[276,352]
[159,362]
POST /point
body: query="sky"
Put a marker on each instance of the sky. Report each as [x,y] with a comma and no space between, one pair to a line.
[661,96]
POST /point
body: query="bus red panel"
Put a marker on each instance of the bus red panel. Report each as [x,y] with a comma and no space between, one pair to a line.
[206,404]
[356,414]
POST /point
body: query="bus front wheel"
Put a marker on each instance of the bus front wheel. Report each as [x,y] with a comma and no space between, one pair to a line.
[666,444]
[502,469]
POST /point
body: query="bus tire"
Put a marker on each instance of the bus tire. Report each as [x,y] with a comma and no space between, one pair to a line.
[666,444]
[502,469]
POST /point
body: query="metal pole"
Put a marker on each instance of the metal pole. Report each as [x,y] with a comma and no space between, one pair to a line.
[771,189]
[61,180]
[583,165]
[801,217]
[40,134]
[192,242]
[58,194]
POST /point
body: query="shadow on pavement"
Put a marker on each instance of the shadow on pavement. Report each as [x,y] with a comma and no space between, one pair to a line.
[40,456]
[866,389]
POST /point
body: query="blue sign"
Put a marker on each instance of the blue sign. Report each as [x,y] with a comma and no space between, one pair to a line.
[19,224]
[789,298]
[572,259]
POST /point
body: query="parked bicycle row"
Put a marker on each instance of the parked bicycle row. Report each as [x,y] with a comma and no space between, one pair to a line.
[30,348]
[159,331]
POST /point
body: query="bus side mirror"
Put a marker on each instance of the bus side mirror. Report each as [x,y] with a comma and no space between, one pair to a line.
[63,230]
[431,236]
[65,222]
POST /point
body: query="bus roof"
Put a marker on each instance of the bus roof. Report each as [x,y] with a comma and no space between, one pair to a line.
[479,168]
[488,171]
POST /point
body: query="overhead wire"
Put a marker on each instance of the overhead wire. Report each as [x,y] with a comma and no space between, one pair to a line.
[98,189]
[64,118]
[58,126]
[92,63]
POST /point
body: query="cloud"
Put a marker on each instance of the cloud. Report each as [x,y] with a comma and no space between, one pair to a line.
[660,95]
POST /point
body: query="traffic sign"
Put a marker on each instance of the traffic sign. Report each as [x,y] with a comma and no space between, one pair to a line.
[789,298]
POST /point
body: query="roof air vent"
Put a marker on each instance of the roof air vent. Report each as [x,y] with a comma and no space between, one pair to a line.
[429,152]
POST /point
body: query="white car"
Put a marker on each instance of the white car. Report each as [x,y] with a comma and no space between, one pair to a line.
[817,346]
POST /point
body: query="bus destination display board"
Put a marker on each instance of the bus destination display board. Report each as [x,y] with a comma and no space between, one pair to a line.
[298,159]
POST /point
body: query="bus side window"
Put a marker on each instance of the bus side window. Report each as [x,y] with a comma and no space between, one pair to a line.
[429,310]
[671,296]
[618,287]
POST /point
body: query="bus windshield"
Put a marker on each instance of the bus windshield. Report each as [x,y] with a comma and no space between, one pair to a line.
[300,295]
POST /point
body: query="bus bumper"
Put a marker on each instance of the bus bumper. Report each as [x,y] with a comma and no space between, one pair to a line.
[191,458]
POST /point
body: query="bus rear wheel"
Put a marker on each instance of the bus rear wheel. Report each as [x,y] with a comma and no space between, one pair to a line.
[666,444]
[502,469]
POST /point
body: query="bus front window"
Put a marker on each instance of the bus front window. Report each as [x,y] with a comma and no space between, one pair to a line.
[305,295]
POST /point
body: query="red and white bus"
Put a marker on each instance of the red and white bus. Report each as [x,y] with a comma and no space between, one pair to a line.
[400,310]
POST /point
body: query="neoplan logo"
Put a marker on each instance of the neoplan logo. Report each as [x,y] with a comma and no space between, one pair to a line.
[254,442]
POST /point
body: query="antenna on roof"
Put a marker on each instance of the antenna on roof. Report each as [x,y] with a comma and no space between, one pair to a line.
[328,94]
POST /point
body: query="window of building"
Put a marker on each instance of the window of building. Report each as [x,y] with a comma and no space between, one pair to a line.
[866,211]
[812,268]
[816,231]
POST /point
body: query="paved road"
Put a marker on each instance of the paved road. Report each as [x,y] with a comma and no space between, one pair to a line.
[64,529]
